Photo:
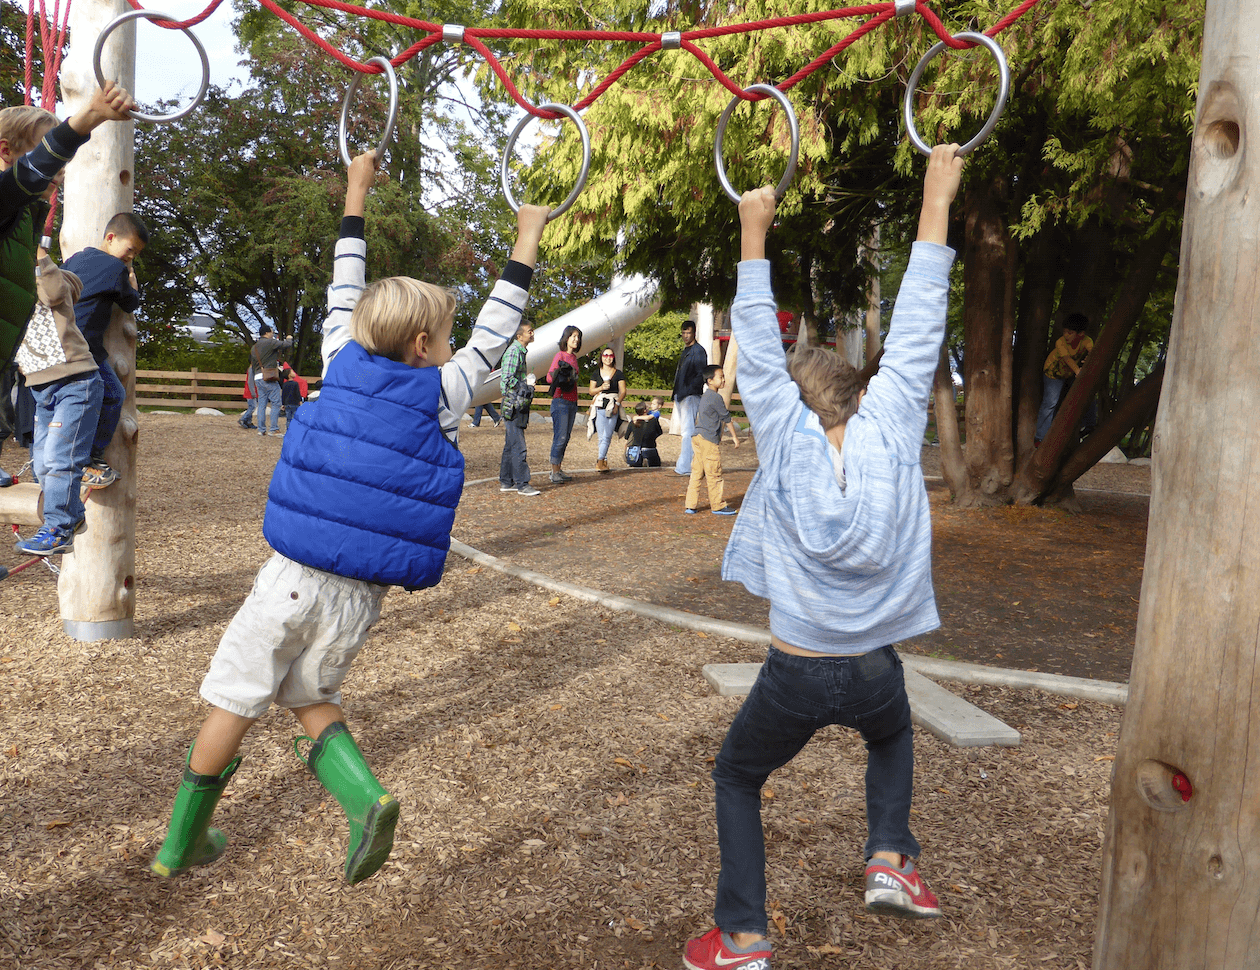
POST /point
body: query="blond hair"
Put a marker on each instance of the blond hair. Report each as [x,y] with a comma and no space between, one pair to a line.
[22,126]
[829,384]
[394,311]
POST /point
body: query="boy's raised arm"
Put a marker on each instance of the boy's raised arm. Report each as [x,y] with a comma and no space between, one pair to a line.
[109,103]
[496,323]
[350,259]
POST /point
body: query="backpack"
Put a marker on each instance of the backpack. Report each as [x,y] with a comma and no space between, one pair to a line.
[565,377]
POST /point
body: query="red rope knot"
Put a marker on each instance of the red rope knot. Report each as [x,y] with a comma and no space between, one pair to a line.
[453,33]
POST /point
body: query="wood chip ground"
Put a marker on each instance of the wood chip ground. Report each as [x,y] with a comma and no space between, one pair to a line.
[552,761]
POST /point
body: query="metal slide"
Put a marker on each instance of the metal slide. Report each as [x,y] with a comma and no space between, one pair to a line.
[629,301]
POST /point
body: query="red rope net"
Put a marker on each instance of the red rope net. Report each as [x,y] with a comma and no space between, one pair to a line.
[52,41]
[475,37]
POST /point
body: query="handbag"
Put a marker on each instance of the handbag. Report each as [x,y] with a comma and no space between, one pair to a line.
[633,455]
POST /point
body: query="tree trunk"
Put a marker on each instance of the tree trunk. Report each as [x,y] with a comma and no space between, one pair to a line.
[872,320]
[97,584]
[953,465]
[1032,335]
[986,325]
[1179,874]
[1135,410]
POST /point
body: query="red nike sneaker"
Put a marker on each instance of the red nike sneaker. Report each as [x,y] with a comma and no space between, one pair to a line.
[899,892]
[713,952]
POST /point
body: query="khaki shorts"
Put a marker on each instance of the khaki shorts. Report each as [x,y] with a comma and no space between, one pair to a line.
[292,641]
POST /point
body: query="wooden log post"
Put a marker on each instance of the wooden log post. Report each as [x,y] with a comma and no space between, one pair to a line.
[97,584]
[1181,859]
[21,504]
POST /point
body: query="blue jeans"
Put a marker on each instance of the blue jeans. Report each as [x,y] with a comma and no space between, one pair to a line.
[247,416]
[606,426]
[513,466]
[562,414]
[490,409]
[792,698]
[1052,389]
[687,408]
[66,417]
[268,393]
[112,399]
[289,411]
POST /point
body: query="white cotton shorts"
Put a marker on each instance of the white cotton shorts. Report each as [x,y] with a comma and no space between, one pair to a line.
[293,639]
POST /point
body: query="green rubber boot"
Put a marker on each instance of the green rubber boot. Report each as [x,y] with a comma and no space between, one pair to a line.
[190,841]
[338,763]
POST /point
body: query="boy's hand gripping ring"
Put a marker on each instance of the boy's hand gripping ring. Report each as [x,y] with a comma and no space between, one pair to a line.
[1004,88]
[573,116]
[388,70]
[153,15]
[779,96]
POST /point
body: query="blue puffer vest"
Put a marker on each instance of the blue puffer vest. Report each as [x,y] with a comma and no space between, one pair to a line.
[367,486]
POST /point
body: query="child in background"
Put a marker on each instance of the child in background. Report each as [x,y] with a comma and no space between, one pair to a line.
[711,416]
[66,384]
[290,395]
[836,532]
[109,280]
[642,431]
[1059,371]
[655,409]
[363,497]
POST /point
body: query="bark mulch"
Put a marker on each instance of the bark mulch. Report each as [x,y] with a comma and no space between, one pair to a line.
[551,757]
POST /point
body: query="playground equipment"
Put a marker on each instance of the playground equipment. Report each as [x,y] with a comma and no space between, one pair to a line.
[793,127]
[342,144]
[97,582]
[1004,88]
[573,116]
[629,301]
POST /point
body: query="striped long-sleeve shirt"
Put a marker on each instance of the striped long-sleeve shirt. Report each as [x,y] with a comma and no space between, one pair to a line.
[470,365]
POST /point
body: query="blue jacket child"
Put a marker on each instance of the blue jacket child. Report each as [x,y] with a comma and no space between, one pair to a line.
[363,497]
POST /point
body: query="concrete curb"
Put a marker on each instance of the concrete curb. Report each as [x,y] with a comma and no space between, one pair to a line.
[956,671]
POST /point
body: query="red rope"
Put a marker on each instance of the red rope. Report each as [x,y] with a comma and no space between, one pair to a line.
[879,13]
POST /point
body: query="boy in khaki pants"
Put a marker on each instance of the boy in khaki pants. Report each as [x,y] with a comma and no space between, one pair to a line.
[707,464]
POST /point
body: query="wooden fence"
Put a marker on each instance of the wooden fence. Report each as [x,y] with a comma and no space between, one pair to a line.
[195,389]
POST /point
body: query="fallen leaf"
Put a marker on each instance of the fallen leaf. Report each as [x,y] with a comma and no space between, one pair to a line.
[554,601]
[1070,706]
[780,921]
[213,937]
[702,635]
[556,707]
[55,823]
[662,716]
[767,793]
[475,569]
[514,627]
[635,924]
[1106,757]
[623,762]
[12,752]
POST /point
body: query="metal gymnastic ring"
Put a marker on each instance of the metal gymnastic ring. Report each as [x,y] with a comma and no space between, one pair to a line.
[153,15]
[779,96]
[388,69]
[573,116]
[1004,88]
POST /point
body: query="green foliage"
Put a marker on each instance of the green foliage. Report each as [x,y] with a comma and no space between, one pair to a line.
[652,350]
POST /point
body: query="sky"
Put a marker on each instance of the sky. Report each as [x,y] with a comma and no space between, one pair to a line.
[167,65]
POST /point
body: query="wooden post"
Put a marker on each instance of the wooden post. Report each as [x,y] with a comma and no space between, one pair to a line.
[194,385]
[97,585]
[1181,860]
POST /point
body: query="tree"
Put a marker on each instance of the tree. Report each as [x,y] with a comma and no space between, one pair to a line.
[1065,202]
[244,197]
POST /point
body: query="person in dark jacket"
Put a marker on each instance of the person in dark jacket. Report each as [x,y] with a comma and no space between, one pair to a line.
[688,389]
[363,497]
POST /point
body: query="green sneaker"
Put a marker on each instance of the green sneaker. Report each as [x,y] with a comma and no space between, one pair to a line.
[335,759]
[190,841]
